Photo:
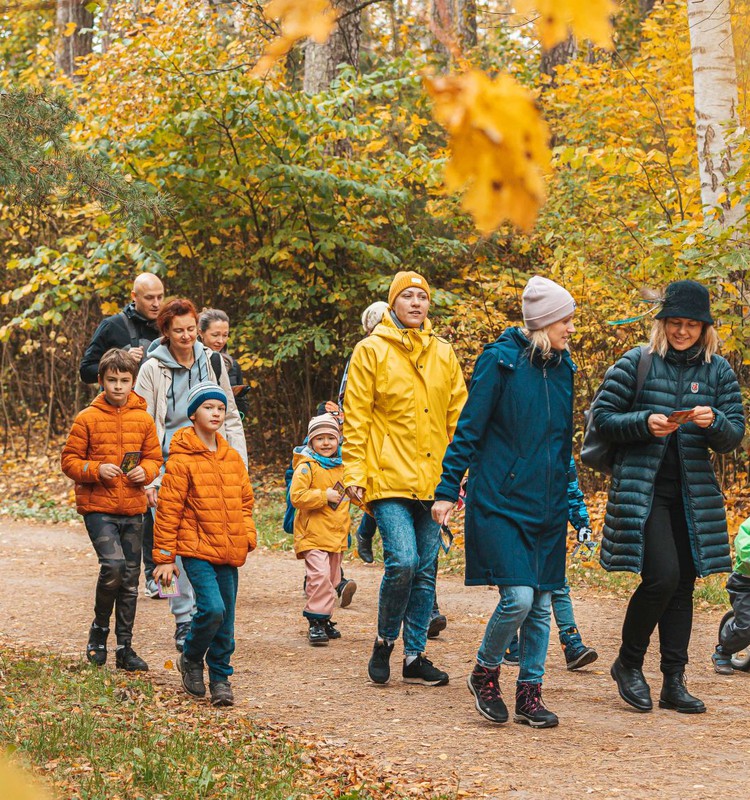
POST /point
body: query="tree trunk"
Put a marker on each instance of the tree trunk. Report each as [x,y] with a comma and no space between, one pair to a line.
[466,19]
[646,7]
[72,47]
[558,55]
[322,60]
[715,98]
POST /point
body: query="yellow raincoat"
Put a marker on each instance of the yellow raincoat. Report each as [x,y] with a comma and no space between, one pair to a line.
[403,399]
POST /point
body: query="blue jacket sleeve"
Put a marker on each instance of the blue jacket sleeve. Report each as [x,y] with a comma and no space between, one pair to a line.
[615,419]
[485,390]
[578,514]
[729,426]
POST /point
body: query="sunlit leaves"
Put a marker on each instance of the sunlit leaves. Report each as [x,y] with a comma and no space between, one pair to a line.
[299,19]
[555,19]
[498,145]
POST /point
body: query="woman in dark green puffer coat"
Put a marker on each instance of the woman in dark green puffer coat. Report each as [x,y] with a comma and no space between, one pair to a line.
[665,513]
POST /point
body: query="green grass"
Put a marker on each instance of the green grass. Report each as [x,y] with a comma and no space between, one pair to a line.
[98,734]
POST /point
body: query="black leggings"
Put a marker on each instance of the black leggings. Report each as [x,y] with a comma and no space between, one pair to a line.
[117,541]
[665,594]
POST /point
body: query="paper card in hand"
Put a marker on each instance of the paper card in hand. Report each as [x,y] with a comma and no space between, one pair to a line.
[681,417]
[446,538]
[338,487]
[585,551]
[169,589]
[130,461]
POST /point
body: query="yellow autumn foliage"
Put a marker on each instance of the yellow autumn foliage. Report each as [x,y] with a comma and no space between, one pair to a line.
[299,19]
[498,144]
[555,19]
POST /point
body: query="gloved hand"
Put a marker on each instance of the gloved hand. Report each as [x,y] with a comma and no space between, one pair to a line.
[585,534]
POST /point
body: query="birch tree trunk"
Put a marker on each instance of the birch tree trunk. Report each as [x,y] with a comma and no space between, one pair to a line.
[715,93]
[73,47]
[322,60]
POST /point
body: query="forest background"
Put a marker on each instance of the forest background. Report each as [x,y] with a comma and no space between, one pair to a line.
[290,199]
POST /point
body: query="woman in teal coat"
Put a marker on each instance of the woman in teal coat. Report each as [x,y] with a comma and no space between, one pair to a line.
[665,513]
[514,436]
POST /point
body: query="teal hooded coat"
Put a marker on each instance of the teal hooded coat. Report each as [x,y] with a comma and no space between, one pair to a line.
[514,436]
[680,380]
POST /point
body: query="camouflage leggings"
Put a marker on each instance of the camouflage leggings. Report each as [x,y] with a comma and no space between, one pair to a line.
[117,541]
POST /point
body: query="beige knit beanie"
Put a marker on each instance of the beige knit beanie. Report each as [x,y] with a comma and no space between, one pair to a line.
[544,302]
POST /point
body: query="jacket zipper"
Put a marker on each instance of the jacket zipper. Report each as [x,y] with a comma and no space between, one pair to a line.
[693,534]
[549,465]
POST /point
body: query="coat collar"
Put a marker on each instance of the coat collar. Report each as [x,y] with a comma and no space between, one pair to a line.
[512,345]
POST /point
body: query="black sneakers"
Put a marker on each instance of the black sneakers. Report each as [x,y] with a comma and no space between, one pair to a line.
[484,685]
[126,658]
[192,676]
[332,632]
[423,672]
[180,634]
[345,590]
[221,694]
[438,622]
[316,634]
[379,668]
[96,649]
[530,709]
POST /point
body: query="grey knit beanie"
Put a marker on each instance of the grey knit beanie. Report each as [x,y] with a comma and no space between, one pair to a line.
[544,302]
[373,315]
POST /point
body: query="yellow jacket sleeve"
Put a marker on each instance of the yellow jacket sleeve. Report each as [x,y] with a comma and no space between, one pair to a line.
[302,493]
[458,395]
[359,402]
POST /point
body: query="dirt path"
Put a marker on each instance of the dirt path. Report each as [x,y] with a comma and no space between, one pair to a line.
[601,748]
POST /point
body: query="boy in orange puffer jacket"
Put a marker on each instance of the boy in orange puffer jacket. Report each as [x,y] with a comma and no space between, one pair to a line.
[112,451]
[322,522]
[205,515]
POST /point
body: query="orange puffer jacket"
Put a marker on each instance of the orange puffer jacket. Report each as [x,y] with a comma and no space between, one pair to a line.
[102,434]
[205,505]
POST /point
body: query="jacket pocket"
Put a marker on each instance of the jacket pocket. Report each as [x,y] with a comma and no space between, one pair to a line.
[506,487]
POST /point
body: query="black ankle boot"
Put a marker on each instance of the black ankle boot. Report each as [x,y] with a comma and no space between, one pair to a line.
[96,649]
[632,686]
[674,695]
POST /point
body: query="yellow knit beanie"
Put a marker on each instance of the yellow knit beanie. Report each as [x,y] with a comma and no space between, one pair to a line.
[404,281]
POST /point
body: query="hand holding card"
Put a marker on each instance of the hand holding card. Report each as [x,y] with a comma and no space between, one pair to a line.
[681,417]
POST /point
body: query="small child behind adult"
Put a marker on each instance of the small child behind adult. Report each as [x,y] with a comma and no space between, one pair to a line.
[112,451]
[322,522]
[205,515]
[735,635]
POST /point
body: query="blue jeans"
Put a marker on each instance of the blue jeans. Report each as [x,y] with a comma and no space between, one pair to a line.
[410,545]
[529,609]
[211,634]
[562,608]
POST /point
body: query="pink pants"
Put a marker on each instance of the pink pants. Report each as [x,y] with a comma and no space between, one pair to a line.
[323,572]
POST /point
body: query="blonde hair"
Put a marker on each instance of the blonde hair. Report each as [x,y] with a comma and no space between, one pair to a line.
[708,340]
[539,341]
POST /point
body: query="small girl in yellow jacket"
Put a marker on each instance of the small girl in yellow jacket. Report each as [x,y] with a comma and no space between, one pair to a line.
[321,524]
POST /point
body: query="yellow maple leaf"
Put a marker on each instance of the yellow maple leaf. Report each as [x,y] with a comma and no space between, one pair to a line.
[588,19]
[498,144]
[70,29]
[299,19]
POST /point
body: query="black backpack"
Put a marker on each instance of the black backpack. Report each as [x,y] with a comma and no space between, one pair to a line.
[596,452]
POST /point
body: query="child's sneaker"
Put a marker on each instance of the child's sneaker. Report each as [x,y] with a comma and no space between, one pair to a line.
[316,634]
[484,685]
[511,657]
[345,590]
[126,658]
[221,693]
[438,622]
[331,630]
[96,649]
[422,671]
[577,655]
[379,668]
[530,709]
[180,634]
[151,590]
[192,676]
[722,662]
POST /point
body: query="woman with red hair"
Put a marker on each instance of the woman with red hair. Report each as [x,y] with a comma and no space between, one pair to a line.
[176,363]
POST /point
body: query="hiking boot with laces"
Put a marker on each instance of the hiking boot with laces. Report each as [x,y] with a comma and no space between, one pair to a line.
[180,634]
[192,676]
[674,695]
[221,693]
[316,634]
[485,686]
[379,668]
[96,649]
[511,657]
[438,622]
[576,653]
[345,590]
[530,710]
[332,632]
[422,671]
[126,658]
[722,662]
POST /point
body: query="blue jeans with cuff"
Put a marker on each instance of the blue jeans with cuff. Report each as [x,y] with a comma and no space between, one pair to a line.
[211,634]
[528,609]
[407,592]
[562,608]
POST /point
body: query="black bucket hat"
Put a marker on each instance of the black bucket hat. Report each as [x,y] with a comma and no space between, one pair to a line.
[687,299]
